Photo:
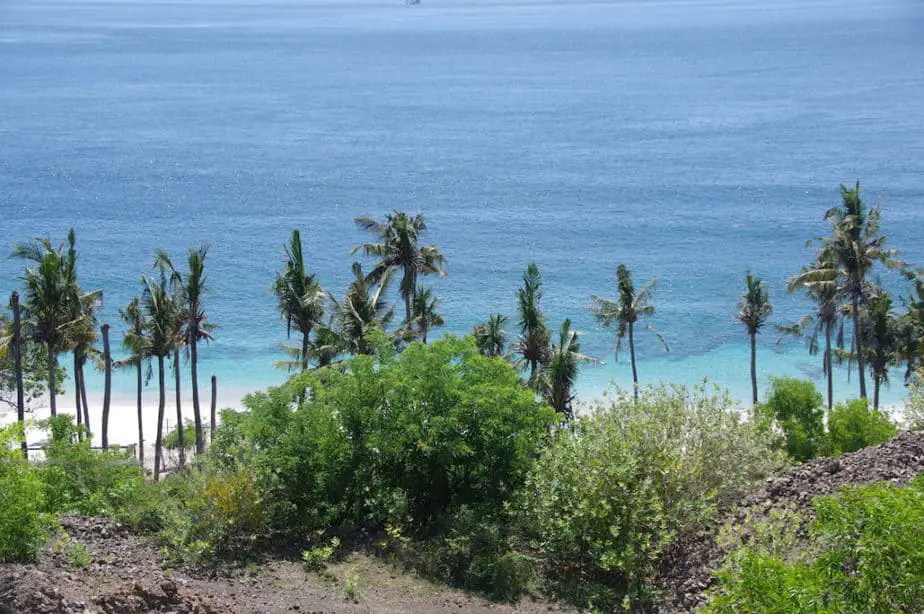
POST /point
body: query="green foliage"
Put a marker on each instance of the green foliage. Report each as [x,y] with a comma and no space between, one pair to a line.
[613,490]
[798,408]
[865,554]
[854,425]
[914,405]
[316,559]
[172,439]
[77,554]
[79,480]
[23,526]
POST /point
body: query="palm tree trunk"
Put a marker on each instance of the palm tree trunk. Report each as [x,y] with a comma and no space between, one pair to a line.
[632,359]
[107,387]
[179,408]
[140,417]
[83,399]
[214,406]
[425,329]
[876,383]
[754,369]
[306,340]
[407,308]
[52,377]
[77,406]
[161,404]
[829,371]
[194,371]
[858,342]
[17,367]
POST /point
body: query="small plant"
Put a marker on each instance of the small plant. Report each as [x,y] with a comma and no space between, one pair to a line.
[854,425]
[351,587]
[78,556]
[316,559]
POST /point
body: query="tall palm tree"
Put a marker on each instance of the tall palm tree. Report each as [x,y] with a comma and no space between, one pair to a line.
[17,345]
[490,337]
[362,310]
[820,282]
[162,316]
[107,386]
[300,298]
[559,374]
[46,304]
[753,310]
[880,338]
[855,245]
[398,246]
[911,328]
[136,342]
[424,311]
[196,326]
[625,311]
[532,345]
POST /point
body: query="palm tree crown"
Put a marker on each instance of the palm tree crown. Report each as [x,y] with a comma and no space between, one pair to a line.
[532,345]
[425,315]
[300,298]
[559,374]
[397,246]
[490,337]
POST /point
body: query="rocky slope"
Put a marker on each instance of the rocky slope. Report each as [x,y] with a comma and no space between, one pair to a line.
[686,570]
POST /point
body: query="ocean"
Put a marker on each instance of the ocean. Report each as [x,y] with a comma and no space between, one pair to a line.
[692,140]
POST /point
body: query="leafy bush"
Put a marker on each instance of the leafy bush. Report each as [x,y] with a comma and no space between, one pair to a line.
[23,526]
[865,554]
[854,425]
[398,440]
[614,489]
[798,408]
[80,480]
[914,405]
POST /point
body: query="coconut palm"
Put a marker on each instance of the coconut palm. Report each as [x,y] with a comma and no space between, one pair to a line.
[137,343]
[299,296]
[490,337]
[532,345]
[820,283]
[880,338]
[854,246]
[559,375]
[162,318]
[46,304]
[196,326]
[753,310]
[362,310]
[424,310]
[911,328]
[625,312]
[398,246]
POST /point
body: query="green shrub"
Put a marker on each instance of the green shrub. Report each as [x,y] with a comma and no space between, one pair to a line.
[914,404]
[854,425]
[23,526]
[614,489]
[865,554]
[80,480]
[798,408]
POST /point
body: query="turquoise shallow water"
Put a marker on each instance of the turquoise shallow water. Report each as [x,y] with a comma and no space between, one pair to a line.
[691,140]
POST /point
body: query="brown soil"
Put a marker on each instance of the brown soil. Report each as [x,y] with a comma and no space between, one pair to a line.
[686,570]
[127,576]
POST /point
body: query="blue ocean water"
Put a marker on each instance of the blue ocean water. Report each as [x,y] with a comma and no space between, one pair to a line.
[690,139]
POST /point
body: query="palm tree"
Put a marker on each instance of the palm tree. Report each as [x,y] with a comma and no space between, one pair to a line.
[559,374]
[17,345]
[625,311]
[46,305]
[753,310]
[855,245]
[820,282]
[162,316]
[300,296]
[107,388]
[490,337]
[911,328]
[138,346]
[398,247]
[425,315]
[181,440]
[880,338]
[532,345]
[362,310]
[196,326]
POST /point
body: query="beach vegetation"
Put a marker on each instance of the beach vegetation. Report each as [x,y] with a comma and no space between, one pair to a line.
[754,309]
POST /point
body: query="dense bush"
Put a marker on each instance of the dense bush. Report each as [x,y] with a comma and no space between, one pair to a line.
[854,424]
[80,480]
[22,524]
[798,408]
[614,489]
[865,554]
